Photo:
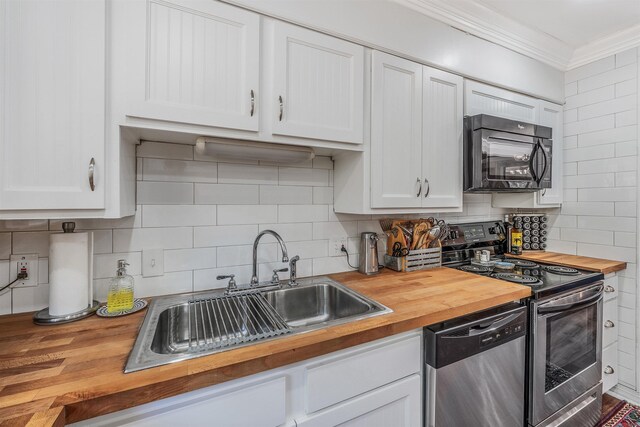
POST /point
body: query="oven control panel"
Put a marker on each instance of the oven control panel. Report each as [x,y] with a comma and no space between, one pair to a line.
[465,234]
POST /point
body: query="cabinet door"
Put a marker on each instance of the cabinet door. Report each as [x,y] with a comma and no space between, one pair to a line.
[398,404]
[396,132]
[194,61]
[480,98]
[551,116]
[442,139]
[52,104]
[318,85]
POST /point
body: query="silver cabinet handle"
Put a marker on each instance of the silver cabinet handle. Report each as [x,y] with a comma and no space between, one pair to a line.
[253,103]
[609,370]
[281,107]
[92,168]
[426,193]
[419,187]
[609,324]
[609,289]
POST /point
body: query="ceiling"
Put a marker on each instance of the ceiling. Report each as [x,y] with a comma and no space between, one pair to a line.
[562,33]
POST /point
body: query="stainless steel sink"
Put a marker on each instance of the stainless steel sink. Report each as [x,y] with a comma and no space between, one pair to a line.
[185,326]
[317,303]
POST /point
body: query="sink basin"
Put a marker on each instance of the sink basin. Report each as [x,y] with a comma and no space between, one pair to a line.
[181,327]
[317,303]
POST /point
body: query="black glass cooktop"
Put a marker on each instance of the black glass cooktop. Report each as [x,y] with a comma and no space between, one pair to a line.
[543,279]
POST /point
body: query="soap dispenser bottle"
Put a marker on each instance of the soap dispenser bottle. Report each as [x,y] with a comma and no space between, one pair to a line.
[120,297]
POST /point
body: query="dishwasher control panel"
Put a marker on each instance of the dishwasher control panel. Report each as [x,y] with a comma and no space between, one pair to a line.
[457,339]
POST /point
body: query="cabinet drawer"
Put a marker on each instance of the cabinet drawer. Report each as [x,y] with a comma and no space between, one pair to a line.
[610,287]
[360,372]
[610,322]
[609,367]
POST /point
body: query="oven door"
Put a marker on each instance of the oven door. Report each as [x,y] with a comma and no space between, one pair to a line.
[566,350]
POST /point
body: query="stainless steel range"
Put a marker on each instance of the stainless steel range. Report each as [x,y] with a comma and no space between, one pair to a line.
[565,313]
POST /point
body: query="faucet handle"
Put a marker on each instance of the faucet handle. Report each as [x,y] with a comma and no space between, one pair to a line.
[275,279]
[232,282]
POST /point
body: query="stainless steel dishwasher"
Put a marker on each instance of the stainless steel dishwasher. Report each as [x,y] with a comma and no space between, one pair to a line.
[475,369]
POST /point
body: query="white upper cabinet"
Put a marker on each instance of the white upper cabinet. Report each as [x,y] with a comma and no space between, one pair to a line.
[52,104]
[442,139]
[396,132]
[480,98]
[317,85]
[551,116]
[195,62]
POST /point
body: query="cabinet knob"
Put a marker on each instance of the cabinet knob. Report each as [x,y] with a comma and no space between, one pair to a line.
[609,324]
[253,103]
[426,193]
[609,370]
[419,187]
[92,168]
[609,289]
[281,107]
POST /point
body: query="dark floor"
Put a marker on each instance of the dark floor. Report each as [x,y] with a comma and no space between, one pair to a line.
[608,402]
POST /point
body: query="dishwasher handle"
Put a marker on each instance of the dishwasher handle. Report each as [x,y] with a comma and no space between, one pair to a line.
[492,326]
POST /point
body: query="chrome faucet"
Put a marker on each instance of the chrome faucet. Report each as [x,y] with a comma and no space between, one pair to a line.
[293,270]
[285,256]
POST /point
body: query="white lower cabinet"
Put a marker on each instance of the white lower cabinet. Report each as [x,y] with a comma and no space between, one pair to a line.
[373,384]
[398,404]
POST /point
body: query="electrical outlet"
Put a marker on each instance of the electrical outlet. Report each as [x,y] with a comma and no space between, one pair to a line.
[152,262]
[335,246]
[28,264]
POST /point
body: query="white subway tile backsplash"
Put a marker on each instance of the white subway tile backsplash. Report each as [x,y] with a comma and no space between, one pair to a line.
[138,239]
[309,249]
[626,179]
[587,236]
[30,298]
[5,246]
[332,265]
[206,279]
[226,194]
[189,259]
[162,150]
[626,209]
[232,173]
[289,195]
[590,181]
[241,255]
[619,164]
[570,142]
[330,230]
[31,243]
[606,223]
[629,148]
[610,77]
[571,89]
[301,213]
[608,252]
[323,162]
[224,235]
[24,225]
[105,265]
[178,215]
[102,241]
[5,297]
[590,97]
[590,125]
[323,195]
[291,232]
[609,136]
[627,87]
[590,69]
[626,239]
[588,208]
[247,214]
[590,153]
[179,171]
[305,177]
[617,105]
[629,56]
[165,193]
[607,194]
[627,118]
[170,283]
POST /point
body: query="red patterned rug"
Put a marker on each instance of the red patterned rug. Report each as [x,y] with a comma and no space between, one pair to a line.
[622,415]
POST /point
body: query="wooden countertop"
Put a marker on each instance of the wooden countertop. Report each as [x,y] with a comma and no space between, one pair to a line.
[605,266]
[73,372]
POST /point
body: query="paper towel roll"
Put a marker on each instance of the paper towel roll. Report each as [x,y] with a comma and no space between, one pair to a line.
[70,272]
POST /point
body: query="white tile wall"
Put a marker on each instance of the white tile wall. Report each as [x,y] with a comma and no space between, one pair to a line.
[205,216]
[599,217]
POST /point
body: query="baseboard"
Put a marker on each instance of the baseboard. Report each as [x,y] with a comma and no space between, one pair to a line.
[625,393]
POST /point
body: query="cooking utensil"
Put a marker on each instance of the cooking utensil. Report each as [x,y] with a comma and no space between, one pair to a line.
[419,235]
[399,251]
[395,235]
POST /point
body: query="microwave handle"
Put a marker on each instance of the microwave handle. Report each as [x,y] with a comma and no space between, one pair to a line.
[532,162]
[546,162]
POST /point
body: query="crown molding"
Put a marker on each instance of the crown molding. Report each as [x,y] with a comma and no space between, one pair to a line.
[483,22]
[606,46]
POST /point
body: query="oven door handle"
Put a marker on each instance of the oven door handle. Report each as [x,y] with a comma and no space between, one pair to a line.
[595,294]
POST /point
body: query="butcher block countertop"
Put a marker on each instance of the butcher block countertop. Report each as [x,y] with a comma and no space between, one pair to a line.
[52,375]
[605,266]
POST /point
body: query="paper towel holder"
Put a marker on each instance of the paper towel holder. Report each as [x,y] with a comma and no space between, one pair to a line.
[43,317]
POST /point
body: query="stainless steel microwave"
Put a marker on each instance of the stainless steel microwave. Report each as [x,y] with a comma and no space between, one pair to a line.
[502,155]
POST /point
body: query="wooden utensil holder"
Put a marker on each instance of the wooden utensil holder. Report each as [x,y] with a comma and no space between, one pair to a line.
[421,259]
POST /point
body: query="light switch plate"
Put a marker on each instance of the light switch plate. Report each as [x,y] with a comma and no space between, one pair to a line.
[31,263]
[152,262]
